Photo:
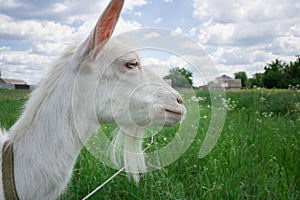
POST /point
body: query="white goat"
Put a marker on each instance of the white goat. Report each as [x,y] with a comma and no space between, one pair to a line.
[60,115]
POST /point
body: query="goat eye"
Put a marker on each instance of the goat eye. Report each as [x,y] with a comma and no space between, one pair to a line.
[132,65]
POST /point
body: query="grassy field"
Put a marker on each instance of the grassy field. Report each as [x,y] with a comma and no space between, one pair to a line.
[257,155]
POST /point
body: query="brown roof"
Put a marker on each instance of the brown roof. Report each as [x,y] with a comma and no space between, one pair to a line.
[14,81]
[224,77]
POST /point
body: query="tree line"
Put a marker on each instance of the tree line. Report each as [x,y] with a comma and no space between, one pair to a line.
[277,74]
[180,77]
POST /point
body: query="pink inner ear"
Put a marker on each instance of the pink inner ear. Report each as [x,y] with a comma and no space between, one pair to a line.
[106,24]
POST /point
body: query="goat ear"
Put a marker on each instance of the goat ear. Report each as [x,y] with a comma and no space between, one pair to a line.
[104,27]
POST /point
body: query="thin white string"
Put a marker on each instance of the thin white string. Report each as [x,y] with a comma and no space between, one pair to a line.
[103,184]
[116,174]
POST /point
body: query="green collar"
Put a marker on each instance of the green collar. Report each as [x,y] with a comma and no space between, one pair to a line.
[8,176]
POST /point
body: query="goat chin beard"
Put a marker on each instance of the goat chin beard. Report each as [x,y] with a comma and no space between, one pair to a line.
[126,151]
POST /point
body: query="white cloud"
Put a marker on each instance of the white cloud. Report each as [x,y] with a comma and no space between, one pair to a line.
[22,58]
[24,65]
[193,31]
[124,26]
[190,45]
[217,34]
[45,29]
[245,35]
[202,68]
[35,30]
[237,34]
[63,11]
[22,72]
[162,67]
[9,3]
[233,11]
[5,48]
[151,35]
[59,7]
[131,4]
[157,21]
[245,22]
[177,32]
[139,14]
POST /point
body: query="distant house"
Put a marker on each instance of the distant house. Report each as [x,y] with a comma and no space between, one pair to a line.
[14,81]
[203,87]
[13,84]
[227,82]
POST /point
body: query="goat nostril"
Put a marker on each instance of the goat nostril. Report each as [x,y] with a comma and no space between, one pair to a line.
[180,100]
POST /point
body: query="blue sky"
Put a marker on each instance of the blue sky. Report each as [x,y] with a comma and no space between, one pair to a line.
[238,35]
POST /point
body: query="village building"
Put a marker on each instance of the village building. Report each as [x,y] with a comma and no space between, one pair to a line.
[228,83]
[8,83]
[225,82]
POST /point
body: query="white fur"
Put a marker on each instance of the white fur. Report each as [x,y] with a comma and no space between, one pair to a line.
[58,119]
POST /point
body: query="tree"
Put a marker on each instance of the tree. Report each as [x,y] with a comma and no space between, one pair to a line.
[180,77]
[273,75]
[278,74]
[257,80]
[292,72]
[242,76]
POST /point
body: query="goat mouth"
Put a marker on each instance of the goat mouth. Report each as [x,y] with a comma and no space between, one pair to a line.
[175,112]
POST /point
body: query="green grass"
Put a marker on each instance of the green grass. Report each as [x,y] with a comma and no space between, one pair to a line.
[11,102]
[256,157]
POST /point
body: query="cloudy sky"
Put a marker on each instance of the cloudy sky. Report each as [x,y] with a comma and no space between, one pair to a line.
[238,35]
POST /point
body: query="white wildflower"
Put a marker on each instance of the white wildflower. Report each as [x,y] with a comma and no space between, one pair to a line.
[194,99]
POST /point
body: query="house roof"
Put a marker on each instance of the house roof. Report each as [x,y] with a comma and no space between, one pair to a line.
[224,77]
[228,82]
[13,81]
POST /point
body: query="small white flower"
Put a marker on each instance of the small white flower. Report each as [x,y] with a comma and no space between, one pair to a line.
[194,99]
[262,99]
